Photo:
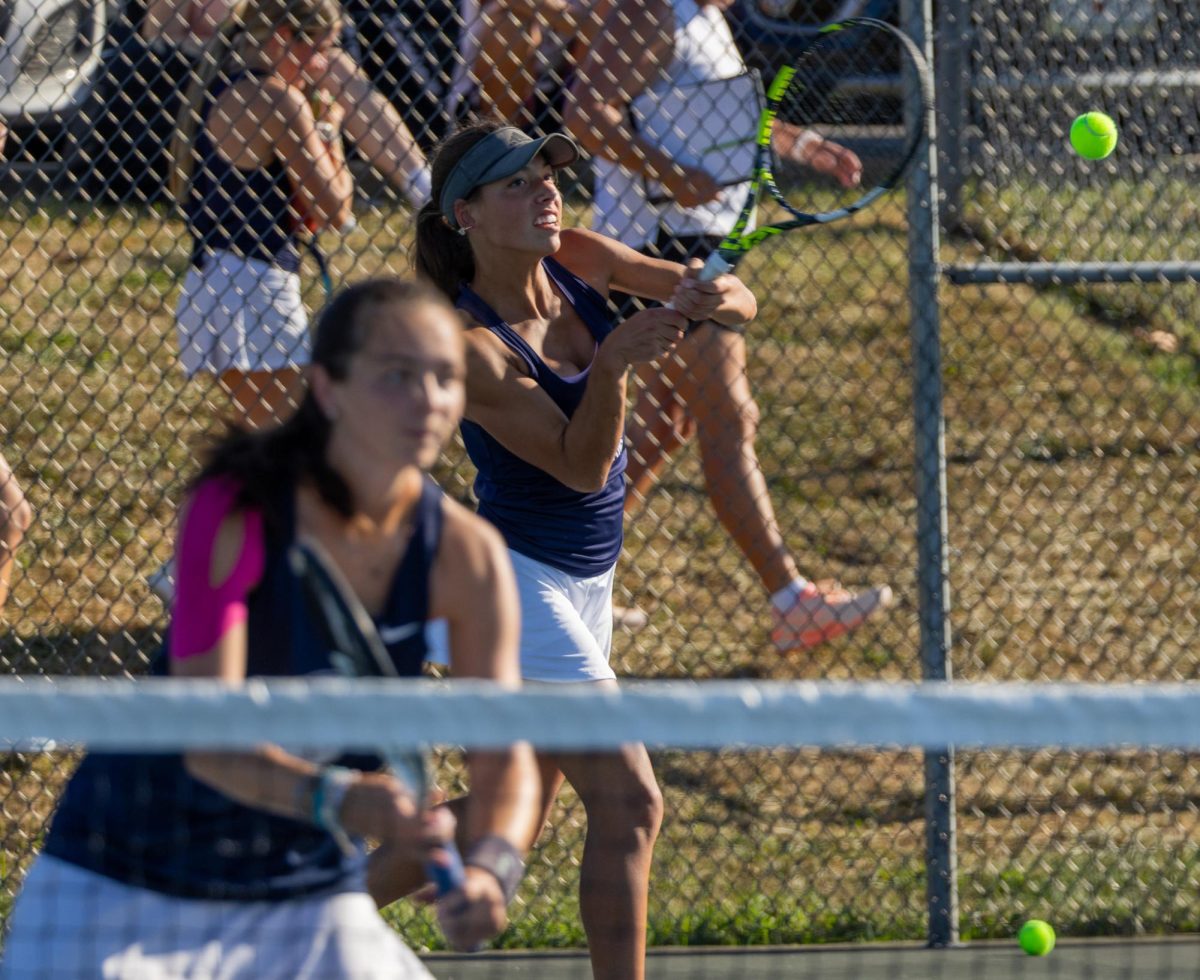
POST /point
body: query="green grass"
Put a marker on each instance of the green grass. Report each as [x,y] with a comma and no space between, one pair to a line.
[1073,461]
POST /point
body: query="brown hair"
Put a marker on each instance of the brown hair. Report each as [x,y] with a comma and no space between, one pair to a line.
[250,24]
[442,255]
[295,451]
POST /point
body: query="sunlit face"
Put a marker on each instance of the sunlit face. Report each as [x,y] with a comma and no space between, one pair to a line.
[521,212]
[404,392]
[304,60]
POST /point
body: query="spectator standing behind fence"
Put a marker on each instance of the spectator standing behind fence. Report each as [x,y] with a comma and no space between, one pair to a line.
[143,87]
[248,865]
[645,50]
[258,155]
[523,54]
[15,512]
[544,425]
[15,518]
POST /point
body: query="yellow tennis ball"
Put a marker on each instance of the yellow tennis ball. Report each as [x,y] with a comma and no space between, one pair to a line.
[1094,135]
[1036,937]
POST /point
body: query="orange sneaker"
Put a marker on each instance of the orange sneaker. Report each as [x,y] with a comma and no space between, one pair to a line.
[819,614]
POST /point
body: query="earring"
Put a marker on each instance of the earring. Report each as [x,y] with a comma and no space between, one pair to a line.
[461,231]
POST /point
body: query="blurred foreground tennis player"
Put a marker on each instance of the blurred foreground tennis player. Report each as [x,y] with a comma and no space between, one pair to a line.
[229,865]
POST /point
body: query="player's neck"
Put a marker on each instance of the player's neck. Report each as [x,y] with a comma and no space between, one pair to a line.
[514,284]
[383,495]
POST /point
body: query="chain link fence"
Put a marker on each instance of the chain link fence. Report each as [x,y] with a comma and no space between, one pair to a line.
[1072,443]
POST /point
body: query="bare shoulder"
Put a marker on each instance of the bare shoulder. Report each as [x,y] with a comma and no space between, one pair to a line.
[471,548]
[268,103]
[589,255]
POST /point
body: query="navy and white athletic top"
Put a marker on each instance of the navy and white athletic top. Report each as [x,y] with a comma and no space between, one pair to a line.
[541,518]
[141,819]
[246,212]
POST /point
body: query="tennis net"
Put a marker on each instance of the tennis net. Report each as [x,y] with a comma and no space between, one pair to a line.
[798,835]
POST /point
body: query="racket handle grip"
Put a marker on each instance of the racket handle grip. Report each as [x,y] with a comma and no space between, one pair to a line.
[447,875]
[713,266]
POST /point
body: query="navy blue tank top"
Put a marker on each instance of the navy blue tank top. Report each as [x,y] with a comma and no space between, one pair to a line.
[241,211]
[541,518]
[141,819]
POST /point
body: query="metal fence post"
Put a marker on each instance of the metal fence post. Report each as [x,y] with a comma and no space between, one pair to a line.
[930,460]
[952,95]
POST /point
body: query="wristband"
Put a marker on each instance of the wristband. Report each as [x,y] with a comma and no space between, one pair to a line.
[327,797]
[499,858]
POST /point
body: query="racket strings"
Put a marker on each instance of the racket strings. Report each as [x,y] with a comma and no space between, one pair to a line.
[845,123]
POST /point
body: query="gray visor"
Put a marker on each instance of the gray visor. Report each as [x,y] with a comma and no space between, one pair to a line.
[498,155]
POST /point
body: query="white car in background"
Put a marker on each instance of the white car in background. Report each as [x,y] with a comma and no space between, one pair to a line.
[50,51]
[51,60]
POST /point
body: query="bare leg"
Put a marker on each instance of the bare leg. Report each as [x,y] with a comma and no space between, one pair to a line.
[659,425]
[716,391]
[15,518]
[624,812]
[708,375]
[263,398]
[506,66]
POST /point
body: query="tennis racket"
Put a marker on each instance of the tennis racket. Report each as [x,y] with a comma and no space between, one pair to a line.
[309,240]
[358,651]
[838,89]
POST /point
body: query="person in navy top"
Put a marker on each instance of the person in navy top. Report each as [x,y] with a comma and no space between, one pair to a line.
[258,161]
[545,414]
[15,513]
[258,156]
[201,862]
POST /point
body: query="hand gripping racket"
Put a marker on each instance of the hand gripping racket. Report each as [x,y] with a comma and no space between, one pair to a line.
[357,650]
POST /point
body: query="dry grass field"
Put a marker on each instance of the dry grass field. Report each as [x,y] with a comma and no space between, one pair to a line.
[1073,445]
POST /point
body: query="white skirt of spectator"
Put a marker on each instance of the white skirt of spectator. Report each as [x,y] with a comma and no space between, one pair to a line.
[239,314]
[73,924]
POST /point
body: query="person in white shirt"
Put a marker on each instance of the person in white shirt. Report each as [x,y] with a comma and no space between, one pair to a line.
[660,47]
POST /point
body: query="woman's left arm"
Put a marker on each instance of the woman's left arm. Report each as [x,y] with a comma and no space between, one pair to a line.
[473,589]
[606,263]
[376,128]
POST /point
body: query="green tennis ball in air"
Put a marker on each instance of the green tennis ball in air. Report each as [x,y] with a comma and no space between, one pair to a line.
[1036,937]
[1094,135]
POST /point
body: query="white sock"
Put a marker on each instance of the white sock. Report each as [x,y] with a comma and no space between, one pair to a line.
[783,600]
[420,187]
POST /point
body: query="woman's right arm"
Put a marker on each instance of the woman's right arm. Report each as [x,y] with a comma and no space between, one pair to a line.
[577,451]
[316,166]
[625,53]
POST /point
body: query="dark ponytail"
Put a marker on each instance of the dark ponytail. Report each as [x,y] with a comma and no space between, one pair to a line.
[261,462]
[442,256]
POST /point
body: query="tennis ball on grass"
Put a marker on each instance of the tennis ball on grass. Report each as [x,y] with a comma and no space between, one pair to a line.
[1094,135]
[1036,937]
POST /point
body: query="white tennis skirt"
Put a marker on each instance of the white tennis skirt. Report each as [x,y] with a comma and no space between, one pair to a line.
[239,314]
[566,624]
[73,924]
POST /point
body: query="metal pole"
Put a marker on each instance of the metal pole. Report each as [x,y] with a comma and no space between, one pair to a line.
[930,451]
[952,72]
[1071,273]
